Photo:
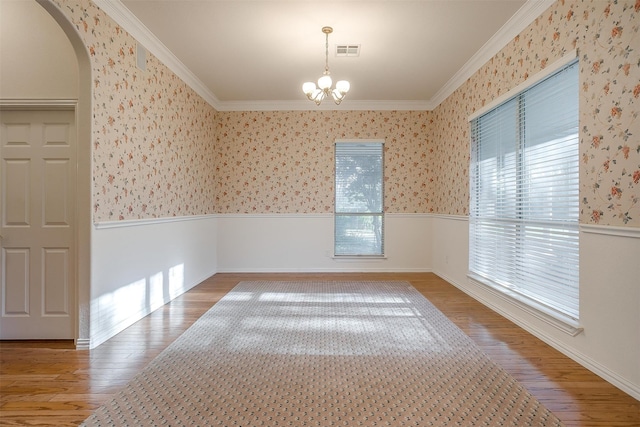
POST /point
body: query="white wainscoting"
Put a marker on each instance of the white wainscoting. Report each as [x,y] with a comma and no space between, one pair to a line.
[609,298]
[137,266]
[304,243]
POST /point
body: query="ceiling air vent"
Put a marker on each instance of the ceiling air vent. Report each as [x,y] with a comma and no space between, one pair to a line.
[347,50]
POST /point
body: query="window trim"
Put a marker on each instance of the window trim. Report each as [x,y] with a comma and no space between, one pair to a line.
[382,214]
[530,82]
[554,318]
[563,323]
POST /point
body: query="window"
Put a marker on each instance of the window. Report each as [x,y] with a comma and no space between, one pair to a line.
[524,208]
[359,216]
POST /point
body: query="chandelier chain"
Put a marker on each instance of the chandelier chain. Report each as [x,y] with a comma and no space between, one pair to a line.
[326,53]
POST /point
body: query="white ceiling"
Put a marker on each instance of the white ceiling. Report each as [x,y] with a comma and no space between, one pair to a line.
[255,54]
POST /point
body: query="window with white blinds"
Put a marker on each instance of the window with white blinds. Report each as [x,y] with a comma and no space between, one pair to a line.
[359,199]
[524,207]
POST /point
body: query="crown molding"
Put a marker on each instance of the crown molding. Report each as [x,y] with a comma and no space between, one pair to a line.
[528,13]
[306,105]
[127,20]
[531,10]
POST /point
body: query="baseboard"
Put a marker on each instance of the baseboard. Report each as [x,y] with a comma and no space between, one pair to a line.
[83,344]
[597,368]
[324,270]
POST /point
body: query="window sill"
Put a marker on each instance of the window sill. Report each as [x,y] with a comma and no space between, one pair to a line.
[358,257]
[565,324]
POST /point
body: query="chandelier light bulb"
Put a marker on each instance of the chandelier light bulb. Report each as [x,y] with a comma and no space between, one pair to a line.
[325,82]
[343,86]
[308,88]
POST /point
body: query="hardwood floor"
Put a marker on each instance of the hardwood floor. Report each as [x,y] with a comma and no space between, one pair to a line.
[50,383]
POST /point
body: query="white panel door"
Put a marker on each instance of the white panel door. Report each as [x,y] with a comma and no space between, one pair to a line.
[37,204]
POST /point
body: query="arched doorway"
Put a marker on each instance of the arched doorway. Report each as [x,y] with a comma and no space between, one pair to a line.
[83,191]
[81,106]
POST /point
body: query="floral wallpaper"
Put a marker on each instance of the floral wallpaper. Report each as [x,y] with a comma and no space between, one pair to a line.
[610,105]
[282,162]
[160,150]
[152,134]
[605,33]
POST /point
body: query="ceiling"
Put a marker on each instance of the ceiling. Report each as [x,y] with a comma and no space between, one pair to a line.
[256,54]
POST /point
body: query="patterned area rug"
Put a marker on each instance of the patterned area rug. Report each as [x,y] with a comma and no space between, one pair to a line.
[323,354]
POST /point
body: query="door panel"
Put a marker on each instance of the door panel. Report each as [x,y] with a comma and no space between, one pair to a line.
[38,164]
[56,193]
[15,283]
[16,198]
[17,134]
[56,282]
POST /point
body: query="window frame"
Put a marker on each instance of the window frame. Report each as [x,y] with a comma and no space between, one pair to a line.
[568,322]
[377,214]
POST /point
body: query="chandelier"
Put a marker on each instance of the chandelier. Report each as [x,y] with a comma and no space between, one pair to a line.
[323,90]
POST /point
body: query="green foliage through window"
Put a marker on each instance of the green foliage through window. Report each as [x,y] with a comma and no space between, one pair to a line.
[359,198]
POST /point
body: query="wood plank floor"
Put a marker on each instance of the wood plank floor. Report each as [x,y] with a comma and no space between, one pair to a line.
[52,384]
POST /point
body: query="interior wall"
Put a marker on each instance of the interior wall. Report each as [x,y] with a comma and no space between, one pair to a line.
[609,298]
[605,34]
[138,266]
[304,243]
[38,60]
[283,161]
[275,194]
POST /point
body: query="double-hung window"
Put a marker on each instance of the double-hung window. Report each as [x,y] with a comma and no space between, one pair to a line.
[524,200]
[359,198]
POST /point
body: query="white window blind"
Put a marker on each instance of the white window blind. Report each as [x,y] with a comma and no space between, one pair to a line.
[359,216]
[524,196]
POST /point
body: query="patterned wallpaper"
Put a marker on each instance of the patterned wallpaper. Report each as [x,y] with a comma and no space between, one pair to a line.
[160,150]
[152,134]
[610,105]
[282,162]
[606,36]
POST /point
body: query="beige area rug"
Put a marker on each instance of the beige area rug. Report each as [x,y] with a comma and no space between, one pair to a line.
[323,354]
